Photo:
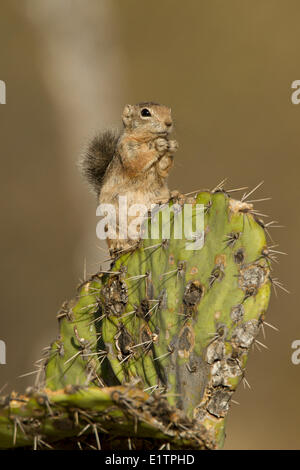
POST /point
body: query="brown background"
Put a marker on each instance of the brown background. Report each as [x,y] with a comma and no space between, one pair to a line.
[226,70]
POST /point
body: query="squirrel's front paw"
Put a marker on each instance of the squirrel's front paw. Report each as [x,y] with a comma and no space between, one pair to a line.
[161,145]
[165,162]
[173,146]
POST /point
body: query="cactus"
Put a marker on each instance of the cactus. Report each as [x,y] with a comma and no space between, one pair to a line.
[155,347]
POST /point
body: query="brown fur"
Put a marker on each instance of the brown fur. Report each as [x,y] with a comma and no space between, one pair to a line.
[141,163]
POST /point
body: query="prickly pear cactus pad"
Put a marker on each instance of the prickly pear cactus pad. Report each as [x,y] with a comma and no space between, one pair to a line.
[164,336]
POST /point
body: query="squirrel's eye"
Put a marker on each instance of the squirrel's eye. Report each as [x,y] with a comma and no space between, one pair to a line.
[145,112]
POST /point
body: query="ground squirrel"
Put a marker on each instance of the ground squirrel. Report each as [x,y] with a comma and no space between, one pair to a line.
[134,163]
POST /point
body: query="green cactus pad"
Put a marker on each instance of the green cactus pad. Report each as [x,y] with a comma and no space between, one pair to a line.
[173,322]
[179,321]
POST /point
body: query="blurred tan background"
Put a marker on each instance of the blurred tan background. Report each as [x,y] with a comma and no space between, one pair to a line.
[226,70]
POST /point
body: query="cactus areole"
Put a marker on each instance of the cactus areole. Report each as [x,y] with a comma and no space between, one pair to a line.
[153,350]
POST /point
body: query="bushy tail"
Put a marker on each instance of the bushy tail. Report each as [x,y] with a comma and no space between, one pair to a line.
[97,157]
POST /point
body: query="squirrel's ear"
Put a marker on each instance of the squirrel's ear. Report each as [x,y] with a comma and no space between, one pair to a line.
[127,115]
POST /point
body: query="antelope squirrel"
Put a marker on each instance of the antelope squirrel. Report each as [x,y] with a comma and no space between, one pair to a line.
[134,163]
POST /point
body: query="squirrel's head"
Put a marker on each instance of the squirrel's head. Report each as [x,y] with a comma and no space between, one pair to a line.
[148,117]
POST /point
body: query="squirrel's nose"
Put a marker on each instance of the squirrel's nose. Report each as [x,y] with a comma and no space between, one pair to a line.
[168,122]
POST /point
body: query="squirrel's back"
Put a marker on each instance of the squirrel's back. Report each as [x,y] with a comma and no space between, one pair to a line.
[97,157]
